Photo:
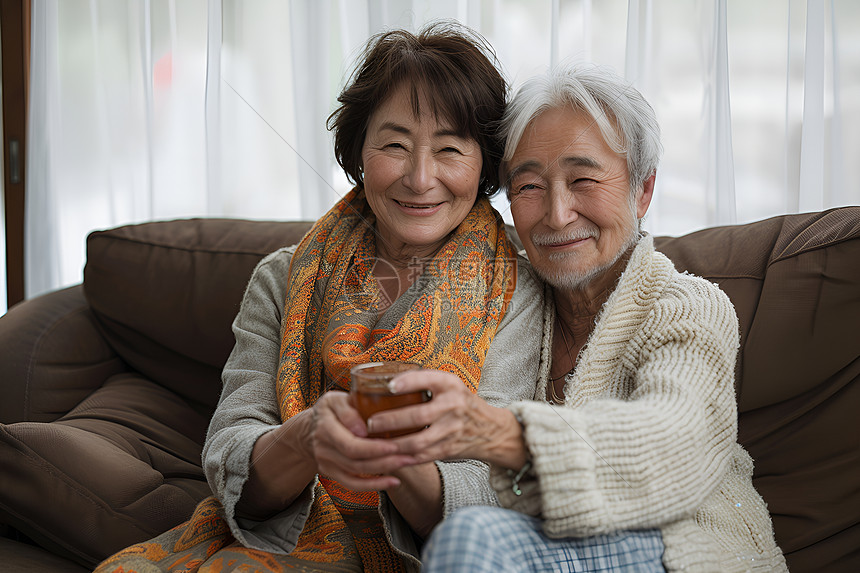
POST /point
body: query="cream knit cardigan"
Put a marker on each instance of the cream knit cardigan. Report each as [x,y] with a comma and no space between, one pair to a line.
[647,437]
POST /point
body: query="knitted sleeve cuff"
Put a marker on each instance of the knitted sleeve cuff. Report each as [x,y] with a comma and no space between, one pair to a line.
[560,484]
[465,482]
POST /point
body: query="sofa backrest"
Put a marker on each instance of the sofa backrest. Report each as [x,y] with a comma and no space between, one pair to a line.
[795,283]
[165,294]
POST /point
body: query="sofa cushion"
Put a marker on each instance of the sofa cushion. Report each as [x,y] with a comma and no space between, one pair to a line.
[165,294]
[19,556]
[795,283]
[52,357]
[121,467]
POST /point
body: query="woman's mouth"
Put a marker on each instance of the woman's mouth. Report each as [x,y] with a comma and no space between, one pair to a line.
[418,208]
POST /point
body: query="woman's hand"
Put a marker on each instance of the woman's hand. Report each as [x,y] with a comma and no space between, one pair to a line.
[338,442]
[459,424]
[327,439]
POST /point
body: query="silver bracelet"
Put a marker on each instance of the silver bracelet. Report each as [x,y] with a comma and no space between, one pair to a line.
[515,478]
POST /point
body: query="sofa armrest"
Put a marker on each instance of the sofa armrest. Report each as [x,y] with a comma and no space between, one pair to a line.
[53,357]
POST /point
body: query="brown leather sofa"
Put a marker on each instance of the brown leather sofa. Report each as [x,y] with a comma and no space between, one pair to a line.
[106,387]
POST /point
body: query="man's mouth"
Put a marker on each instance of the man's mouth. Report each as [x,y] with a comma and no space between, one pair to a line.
[564,243]
[558,242]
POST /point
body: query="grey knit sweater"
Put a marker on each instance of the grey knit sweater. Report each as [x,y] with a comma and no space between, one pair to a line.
[248,407]
[647,437]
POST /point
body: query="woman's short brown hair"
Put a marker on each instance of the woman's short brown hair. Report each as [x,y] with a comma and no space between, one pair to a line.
[451,66]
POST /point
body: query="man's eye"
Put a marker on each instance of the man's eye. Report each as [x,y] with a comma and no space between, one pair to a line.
[525,188]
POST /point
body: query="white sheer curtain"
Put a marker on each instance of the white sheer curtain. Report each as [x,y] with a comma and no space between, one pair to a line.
[156,109]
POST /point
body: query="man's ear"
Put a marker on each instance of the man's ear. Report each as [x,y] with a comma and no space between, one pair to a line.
[644,196]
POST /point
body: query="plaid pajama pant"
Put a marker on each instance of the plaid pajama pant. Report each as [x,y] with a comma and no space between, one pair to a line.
[492,539]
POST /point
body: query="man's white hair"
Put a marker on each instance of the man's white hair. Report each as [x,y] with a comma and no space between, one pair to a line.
[626,121]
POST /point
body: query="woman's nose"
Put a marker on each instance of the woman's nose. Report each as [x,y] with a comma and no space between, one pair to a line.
[420,173]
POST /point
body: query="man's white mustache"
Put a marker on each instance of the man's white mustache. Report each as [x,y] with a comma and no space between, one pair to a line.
[543,239]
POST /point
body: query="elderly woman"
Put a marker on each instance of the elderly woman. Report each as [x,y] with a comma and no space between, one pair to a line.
[628,460]
[413,264]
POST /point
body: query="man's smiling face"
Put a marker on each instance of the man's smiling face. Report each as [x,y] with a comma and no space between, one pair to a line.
[571,199]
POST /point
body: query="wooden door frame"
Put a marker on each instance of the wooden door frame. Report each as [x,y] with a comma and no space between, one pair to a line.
[15,35]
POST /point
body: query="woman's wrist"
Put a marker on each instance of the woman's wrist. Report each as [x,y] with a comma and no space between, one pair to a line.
[418,498]
[284,451]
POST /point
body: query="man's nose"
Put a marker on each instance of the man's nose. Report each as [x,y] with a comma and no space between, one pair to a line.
[561,207]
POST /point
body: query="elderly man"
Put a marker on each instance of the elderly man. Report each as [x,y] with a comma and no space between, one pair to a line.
[628,458]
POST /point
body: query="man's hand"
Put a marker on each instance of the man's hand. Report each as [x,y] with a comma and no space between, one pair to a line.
[459,424]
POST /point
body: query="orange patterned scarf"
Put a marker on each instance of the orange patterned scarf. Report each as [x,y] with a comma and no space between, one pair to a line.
[332,321]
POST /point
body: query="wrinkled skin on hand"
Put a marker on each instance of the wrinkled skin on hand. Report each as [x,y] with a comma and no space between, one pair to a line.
[336,439]
[459,424]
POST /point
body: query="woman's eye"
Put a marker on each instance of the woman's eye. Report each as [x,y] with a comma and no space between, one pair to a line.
[450,149]
[395,146]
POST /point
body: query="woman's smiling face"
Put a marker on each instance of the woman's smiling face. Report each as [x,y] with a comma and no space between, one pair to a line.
[420,177]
